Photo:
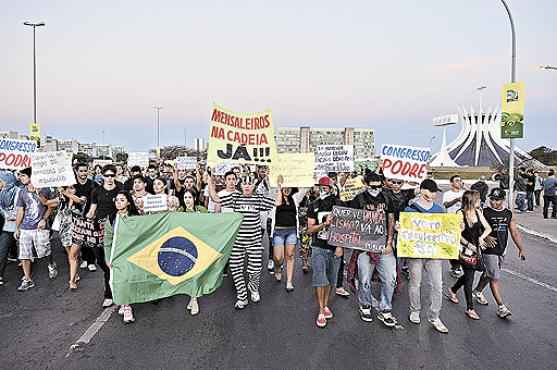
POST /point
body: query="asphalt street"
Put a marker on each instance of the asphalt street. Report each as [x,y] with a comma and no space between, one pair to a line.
[38,327]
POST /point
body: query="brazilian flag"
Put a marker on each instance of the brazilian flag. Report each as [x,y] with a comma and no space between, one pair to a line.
[165,254]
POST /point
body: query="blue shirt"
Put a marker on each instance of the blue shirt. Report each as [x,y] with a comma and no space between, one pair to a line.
[34,210]
[415,207]
[549,186]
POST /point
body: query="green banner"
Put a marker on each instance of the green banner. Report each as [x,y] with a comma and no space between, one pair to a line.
[162,255]
[512,111]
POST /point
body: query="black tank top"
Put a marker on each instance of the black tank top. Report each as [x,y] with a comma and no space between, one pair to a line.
[472,232]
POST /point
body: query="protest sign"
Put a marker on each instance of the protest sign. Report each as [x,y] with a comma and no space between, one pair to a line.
[361,165]
[512,111]
[101,162]
[241,138]
[429,235]
[86,231]
[140,159]
[405,163]
[334,158]
[296,170]
[351,188]
[52,169]
[16,154]
[358,229]
[186,163]
[155,203]
[221,168]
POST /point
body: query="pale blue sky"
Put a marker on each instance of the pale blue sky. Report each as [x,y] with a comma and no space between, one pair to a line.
[388,65]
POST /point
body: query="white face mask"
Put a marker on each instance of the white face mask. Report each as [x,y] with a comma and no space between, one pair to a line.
[323,195]
[374,192]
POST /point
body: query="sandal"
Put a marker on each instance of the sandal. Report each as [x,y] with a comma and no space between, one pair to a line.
[73,286]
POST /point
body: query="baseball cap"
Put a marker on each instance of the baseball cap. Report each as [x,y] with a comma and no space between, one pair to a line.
[430,185]
[497,194]
[325,181]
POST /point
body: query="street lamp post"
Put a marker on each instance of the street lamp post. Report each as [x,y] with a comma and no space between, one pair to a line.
[34,25]
[513,79]
[157,109]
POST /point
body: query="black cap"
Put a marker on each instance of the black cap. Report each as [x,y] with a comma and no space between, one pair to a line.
[497,194]
[430,185]
[26,171]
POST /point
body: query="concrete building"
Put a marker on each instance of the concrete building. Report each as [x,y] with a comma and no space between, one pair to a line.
[70,146]
[306,139]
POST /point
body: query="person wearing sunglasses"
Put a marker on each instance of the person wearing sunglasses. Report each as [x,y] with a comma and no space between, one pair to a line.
[248,240]
[83,190]
[102,206]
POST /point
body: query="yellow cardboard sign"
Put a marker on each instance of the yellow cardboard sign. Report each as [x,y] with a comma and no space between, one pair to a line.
[429,235]
[35,131]
[241,138]
[351,188]
[296,170]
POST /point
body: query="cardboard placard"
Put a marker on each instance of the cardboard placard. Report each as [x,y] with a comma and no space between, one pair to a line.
[429,235]
[16,154]
[186,163]
[140,159]
[351,188]
[88,232]
[334,158]
[358,229]
[404,162]
[155,203]
[296,170]
[52,169]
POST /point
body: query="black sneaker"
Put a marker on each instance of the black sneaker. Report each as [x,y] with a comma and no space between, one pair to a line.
[365,313]
[26,285]
[387,318]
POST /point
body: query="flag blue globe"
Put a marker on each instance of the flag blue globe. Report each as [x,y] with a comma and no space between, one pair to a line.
[177,256]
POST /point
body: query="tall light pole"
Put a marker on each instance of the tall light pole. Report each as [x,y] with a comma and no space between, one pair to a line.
[34,25]
[157,109]
[513,79]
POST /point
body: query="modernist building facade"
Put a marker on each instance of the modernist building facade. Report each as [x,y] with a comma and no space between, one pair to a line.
[306,139]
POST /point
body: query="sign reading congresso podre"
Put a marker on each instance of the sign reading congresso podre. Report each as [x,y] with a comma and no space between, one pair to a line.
[16,154]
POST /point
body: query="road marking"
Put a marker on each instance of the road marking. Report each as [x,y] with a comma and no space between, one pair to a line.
[534,281]
[538,234]
[92,330]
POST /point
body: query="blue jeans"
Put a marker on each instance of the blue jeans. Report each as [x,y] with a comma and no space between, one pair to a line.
[387,273]
[520,201]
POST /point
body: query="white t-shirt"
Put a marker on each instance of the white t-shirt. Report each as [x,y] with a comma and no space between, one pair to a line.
[450,196]
[210,204]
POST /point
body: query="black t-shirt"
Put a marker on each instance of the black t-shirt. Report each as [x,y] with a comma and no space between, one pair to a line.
[286,214]
[319,210]
[398,201]
[104,199]
[380,204]
[85,190]
[499,220]
[531,183]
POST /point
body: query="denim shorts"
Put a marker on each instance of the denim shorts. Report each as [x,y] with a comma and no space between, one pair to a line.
[324,265]
[282,237]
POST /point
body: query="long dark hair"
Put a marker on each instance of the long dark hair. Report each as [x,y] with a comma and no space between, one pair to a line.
[132,209]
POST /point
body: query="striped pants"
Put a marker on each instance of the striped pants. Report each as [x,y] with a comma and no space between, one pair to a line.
[255,261]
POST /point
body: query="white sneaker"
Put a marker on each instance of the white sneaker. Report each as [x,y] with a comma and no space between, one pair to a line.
[92,268]
[52,271]
[107,302]
[121,310]
[83,265]
[415,317]
[503,312]
[241,304]
[480,298]
[271,266]
[128,314]
[439,326]
[255,297]
[193,306]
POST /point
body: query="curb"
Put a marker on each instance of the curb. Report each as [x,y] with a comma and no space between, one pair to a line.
[538,234]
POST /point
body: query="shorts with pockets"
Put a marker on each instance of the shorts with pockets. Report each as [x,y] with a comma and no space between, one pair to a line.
[324,266]
[493,265]
[39,239]
[282,237]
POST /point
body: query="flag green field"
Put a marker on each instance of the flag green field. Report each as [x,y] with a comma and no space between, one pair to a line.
[166,254]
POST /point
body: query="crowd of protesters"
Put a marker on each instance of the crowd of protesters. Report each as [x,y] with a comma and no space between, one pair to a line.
[295,222]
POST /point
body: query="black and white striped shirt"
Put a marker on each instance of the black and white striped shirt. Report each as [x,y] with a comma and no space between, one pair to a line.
[250,208]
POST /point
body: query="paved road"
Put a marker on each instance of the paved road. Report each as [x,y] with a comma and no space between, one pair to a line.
[38,327]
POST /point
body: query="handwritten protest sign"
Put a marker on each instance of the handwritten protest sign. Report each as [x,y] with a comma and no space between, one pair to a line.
[428,235]
[405,163]
[241,138]
[86,231]
[351,188]
[155,203]
[296,170]
[358,229]
[334,158]
[221,168]
[16,154]
[101,162]
[186,163]
[52,169]
[140,159]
